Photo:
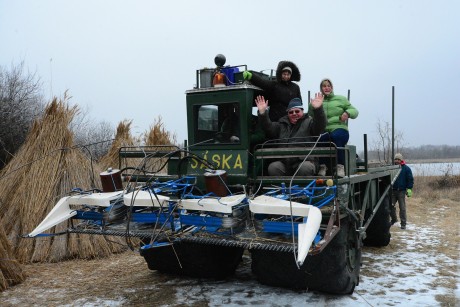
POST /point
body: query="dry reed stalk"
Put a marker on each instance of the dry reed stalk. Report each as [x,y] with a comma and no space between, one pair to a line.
[3,282]
[58,249]
[11,272]
[103,249]
[39,191]
[9,178]
[158,135]
[10,215]
[53,169]
[123,138]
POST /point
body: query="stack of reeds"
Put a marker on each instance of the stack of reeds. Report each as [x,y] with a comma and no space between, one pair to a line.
[123,138]
[11,272]
[45,169]
[158,135]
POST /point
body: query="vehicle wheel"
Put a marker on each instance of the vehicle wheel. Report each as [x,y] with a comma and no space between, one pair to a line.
[378,232]
[335,270]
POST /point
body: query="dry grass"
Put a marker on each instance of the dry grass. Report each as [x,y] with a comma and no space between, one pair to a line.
[123,137]
[11,272]
[26,200]
[433,160]
[439,208]
[433,206]
[438,187]
[45,169]
[158,135]
[446,203]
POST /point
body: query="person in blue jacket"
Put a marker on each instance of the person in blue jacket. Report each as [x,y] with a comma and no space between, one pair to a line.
[401,187]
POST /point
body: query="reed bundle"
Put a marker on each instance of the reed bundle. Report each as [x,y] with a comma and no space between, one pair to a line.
[45,169]
[123,138]
[11,272]
[158,135]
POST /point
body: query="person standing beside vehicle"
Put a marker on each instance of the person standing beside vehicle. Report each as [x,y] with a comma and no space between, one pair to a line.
[280,91]
[338,110]
[401,187]
[295,126]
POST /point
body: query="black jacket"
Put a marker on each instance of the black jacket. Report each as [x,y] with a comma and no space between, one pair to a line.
[306,129]
[279,93]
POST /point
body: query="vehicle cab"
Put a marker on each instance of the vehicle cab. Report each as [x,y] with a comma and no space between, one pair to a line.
[222,121]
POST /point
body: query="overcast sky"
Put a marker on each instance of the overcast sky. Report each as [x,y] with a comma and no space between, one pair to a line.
[135,59]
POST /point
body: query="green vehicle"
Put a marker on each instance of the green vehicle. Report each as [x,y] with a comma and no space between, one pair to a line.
[200,208]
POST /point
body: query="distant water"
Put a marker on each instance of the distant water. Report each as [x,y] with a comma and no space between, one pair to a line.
[435,169]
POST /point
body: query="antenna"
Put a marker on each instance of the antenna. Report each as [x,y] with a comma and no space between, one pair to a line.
[51,78]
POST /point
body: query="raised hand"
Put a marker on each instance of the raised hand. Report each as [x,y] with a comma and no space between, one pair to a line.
[317,101]
[261,103]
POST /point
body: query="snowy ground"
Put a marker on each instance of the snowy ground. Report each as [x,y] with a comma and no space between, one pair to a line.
[418,268]
[408,272]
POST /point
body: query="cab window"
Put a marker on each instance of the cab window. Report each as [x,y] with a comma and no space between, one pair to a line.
[217,123]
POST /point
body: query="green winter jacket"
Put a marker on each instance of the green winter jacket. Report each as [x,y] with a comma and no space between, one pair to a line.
[334,106]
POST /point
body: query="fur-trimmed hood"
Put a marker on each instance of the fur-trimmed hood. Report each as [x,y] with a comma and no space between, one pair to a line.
[332,86]
[295,76]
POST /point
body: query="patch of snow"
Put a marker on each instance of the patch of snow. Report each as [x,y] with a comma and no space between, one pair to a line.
[394,277]
[96,302]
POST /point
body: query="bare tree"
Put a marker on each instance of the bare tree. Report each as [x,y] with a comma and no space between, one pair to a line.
[382,146]
[21,101]
[96,138]
[399,141]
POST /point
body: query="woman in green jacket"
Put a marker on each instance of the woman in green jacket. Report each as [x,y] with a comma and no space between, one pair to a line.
[338,110]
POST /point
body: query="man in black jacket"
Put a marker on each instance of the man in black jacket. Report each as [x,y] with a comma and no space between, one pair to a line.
[296,126]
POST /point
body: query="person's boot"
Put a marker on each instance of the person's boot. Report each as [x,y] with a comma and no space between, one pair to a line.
[322,170]
[340,170]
